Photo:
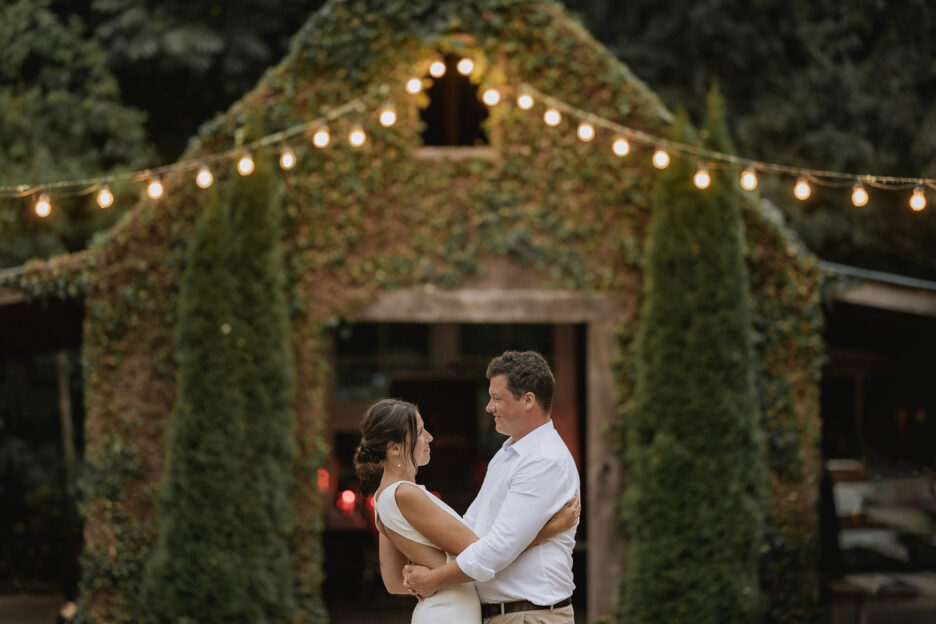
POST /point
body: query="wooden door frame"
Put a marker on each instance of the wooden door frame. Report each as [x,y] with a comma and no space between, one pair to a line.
[599,312]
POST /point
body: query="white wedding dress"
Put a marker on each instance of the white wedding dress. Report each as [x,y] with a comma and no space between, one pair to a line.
[458,604]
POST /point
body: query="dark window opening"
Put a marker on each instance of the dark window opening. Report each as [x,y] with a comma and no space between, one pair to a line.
[455,113]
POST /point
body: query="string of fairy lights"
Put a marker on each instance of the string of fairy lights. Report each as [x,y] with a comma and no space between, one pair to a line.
[620,137]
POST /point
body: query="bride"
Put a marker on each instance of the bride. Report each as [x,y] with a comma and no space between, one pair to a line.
[414,525]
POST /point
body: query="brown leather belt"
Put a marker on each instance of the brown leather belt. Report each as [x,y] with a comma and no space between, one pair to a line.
[500,608]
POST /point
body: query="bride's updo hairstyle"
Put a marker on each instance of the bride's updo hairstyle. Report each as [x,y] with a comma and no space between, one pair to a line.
[387,420]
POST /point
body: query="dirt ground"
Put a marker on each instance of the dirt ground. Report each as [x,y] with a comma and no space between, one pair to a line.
[42,609]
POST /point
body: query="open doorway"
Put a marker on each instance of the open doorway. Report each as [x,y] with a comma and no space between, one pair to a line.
[41,442]
[439,367]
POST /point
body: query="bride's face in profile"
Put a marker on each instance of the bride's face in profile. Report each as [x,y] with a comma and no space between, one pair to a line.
[423,438]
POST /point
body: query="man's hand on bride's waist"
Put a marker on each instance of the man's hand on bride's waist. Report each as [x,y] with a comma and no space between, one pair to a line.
[418,580]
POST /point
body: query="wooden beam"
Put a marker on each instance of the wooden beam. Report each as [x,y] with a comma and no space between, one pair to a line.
[486,305]
[9,296]
[890,297]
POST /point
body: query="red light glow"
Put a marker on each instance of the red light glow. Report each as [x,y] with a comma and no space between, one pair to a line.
[324,479]
[346,501]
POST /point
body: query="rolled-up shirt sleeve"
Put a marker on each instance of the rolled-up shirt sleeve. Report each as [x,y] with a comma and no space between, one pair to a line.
[533,496]
[471,515]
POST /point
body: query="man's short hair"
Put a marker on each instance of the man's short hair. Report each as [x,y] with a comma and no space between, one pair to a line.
[525,371]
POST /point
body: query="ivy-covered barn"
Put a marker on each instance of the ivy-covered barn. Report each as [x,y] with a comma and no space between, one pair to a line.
[405,263]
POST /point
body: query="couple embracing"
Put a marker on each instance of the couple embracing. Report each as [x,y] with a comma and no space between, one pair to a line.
[509,560]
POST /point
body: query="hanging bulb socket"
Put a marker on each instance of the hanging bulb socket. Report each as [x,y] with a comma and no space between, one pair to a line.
[552,117]
[918,199]
[465,66]
[859,195]
[287,158]
[43,207]
[802,190]
[105,198]
[437,69]
[585,132]
[204,178]
[357,137]
[387,116]
[525,101]
[245,164]
[321,138]
[155,189]
[414,86]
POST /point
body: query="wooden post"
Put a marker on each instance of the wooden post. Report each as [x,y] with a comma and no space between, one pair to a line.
[65,420]
[604,477]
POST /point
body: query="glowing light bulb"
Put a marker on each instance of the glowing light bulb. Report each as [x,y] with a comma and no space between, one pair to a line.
[43,206]
[413,86]
[346,501]
[465,66]
[748,180]
[525,101]
[245,165]
[105,199]
[437,69]
[287,159]
[387,116]
[321,138]
[661,159]
[552,117]
[491,97]
[620,147]
[702,179]
[155,189]
[859,195]
[802,189]
[586,131]
[203,178]
[918,199]
[357,137]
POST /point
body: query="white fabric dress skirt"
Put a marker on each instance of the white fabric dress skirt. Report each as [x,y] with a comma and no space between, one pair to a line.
[458,604]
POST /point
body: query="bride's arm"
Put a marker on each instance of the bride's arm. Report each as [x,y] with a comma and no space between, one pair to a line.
[391,565]
[453,536]
[562,520]
[445,531]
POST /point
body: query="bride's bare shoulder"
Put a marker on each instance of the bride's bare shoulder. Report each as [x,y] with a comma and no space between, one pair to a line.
[409,494]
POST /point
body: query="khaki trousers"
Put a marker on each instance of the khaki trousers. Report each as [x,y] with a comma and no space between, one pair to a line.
[565,615]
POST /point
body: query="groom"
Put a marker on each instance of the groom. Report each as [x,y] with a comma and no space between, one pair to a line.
[527,481]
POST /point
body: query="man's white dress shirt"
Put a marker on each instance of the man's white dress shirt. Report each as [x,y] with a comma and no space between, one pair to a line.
[526,483]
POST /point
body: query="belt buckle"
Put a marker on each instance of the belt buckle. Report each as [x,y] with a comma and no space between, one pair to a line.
[502,608]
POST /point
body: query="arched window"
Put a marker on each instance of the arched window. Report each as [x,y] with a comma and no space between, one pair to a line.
[455,112]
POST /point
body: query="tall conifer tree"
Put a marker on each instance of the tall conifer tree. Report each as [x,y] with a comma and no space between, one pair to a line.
[225,512]
[695,502]
[197,569]
[265,374]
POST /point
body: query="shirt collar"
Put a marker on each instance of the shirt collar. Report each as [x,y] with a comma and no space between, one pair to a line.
[530,440]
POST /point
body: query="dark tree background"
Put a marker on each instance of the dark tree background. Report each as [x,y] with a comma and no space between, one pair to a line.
[824,85]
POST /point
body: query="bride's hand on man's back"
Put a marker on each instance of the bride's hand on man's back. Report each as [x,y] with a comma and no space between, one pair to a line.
[566,517]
